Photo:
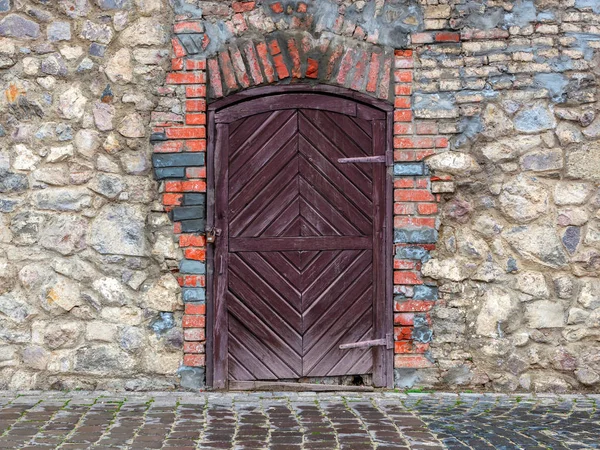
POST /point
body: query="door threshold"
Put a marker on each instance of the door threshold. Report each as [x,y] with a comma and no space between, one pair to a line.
[281,386]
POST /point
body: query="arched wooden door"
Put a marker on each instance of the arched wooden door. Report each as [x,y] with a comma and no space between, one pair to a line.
[302,249]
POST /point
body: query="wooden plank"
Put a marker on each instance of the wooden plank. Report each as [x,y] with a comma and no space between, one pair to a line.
[294,387]
[302,243]
[291,101]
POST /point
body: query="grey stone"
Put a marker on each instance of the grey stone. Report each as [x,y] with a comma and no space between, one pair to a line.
[62,295]
[545,314]
[532,283]
[103,360]
[54,64]
[568,133]
[537,243]
[523,199]
[13,182]
[119,230]
[4,5]
[132,126]
[454,163]
[17,26]
[543,160]
[109,186]
[64,234]
[499,309]
[112,291]
[119,68]
[164,322]
[587,376]
[59,31]
[16,307]
[192,377]
[26,227]
[63,199]
[535,119]
[35,357]
[453,269]
[145,31]
[62,335]
[571,238]
[131,338]
[571,193]
[583,162]
[496,122]
[563,286]
[96,32]
[107,5]
[72,103]
[458,376]
[87,142]
[589,297]
[164,295]
[103,116]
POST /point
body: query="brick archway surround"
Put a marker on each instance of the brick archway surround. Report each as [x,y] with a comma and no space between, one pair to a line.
[180,142]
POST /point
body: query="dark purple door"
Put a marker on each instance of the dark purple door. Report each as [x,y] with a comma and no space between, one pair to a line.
[299,268]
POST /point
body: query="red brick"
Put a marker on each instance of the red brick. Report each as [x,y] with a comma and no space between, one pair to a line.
[403,222]
[403,53]
[239,7]
[188,27]
[404,183]
[193,321]
[186,78]
[274,47]
[177,227]
[178,49]
[404,155]
[295,56]
[192,240]
[312,68]
[404,208]
[426,128]
[413,195]
[192,281]
[177,64]
[168,147]
[420,347]
[335,55]
[215,78]
[185,132]
[195,105]
[345,66]
[191,308]
[277,8]
[195,119]
[195,145]
[403,76]
[172,199]
[195,64]
[402,115]
[427,208]
[197,254]
[405,319]
[302,7]
[185,186]
[413,306]
[194,334]
[193,347]
[280,67]
[441,142]
[195,172]
[422,154]
[402,102]
[251,57]
[373,72]
[447,37]
[239,67]
[412,362]
[403,347]
[194,360]
[261,49]
[402,333]
[360,72]
[383,91]
[240,23]
[403,128]
[197,91]
[228,71]
[402,264]
[402,277]
[421,38]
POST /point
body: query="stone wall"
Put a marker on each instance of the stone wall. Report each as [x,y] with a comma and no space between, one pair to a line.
[87,298]
[497,169]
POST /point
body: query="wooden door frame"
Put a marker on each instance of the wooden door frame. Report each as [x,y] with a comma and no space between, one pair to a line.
[383,313]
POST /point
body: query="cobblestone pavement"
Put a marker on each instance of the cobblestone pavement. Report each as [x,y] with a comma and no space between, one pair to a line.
[81,420]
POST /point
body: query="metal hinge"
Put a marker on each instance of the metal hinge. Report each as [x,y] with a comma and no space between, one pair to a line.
[388,159]
[388,342]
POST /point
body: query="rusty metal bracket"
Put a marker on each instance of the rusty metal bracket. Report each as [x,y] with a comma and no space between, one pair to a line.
[388,342]
[387,159]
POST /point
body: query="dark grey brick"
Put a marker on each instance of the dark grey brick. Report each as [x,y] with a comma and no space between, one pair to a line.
[193,226]
[194,199]
[169,172]
[178,159]
[189,213]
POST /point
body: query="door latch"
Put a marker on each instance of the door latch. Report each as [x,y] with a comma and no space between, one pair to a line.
[212,234]
[388,342]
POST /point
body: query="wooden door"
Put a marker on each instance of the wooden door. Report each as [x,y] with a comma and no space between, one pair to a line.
[300,265]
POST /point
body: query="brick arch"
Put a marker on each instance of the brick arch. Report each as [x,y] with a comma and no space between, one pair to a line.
[295,56]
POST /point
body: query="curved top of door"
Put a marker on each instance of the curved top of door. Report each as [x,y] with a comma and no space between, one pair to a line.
[275,98]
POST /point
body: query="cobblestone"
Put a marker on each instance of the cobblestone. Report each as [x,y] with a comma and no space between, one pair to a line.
[290,421]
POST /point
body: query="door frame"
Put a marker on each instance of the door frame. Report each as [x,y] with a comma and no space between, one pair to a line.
[383,310]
